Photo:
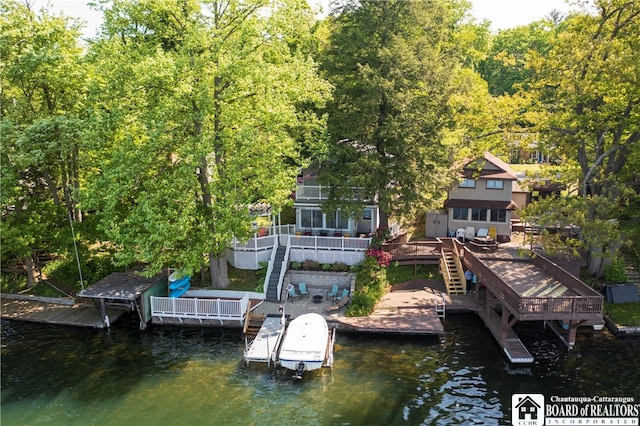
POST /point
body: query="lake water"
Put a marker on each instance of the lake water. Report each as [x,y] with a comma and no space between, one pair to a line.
[179,376]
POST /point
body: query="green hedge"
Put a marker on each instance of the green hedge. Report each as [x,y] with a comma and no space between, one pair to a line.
[371,285]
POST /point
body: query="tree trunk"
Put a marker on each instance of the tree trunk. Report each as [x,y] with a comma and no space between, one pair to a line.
[31,271]
[219,271]
[384,219]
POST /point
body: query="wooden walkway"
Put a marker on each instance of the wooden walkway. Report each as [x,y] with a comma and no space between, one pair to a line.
[76,314]
[265,346]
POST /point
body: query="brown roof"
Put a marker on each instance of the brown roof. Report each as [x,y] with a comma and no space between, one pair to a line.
[505,172]
[481,204]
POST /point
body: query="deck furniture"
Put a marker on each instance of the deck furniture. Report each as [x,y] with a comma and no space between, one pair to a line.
[333,292]
[292,292]
[345,293]
[337,306]
[302,287]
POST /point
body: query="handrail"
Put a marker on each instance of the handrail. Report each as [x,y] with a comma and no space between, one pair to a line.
[272,260]
[283,268]
[187,307]
[329,243]
[535,307]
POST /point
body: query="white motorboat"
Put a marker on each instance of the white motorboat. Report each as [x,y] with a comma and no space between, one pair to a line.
[307,344]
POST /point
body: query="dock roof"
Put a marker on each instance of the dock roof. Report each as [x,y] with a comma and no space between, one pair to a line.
[121,286]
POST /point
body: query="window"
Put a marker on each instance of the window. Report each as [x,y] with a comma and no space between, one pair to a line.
[460,213]
[311,218]
[479,215]
[498,216]
[337,220]
[467,183]
[495,184]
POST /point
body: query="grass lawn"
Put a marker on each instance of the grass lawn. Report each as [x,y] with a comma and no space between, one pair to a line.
[627,314]
[401,274]
[244,280]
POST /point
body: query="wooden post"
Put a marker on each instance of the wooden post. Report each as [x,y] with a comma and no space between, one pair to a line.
[573,328]
[505,324]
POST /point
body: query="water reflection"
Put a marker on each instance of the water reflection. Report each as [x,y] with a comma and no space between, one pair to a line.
[166,376]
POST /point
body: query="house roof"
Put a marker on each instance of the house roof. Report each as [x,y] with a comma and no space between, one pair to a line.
[504,172]
[481,204]
[527,401]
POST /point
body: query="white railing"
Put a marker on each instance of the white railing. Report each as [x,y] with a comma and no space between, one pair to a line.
[254,244]
[285,266]
[328,243]
[272,261]
[200,309]
[318,193]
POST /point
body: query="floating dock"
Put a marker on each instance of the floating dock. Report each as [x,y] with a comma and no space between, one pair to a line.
[264,348]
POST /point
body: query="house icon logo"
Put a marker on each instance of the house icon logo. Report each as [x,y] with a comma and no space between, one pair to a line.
[527,409]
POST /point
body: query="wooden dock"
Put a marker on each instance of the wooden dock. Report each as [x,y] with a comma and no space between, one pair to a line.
[264,348]
[63,312]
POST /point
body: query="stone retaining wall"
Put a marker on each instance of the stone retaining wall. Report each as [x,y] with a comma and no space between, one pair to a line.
[321,281]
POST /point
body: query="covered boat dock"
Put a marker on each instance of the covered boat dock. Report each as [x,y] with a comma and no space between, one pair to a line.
[129,290]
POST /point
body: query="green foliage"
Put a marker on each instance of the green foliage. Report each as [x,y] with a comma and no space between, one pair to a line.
[614,272]
[195,118]
[371,285]
[310,265]
[295,265]
[339,267]
[326,266]
[625,314]
[391,63]
[397,274]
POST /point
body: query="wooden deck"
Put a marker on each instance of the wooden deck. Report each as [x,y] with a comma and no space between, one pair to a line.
[411,311]
[33,310]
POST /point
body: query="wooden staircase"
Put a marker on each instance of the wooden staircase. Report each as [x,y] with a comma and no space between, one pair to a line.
[252,324]
[453,273]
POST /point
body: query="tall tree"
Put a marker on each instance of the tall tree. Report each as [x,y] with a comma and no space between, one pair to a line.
[588,93]
[208,106]
[391,63]
[43,81]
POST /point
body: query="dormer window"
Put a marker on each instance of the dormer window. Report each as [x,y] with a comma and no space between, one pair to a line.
[467,183]
[495,184]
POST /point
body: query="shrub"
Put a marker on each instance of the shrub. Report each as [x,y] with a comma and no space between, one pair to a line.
[371,285]
[296,265]
[326,266]
[614,273]
[380,237]
[310,265]
[340,267]
[383,258]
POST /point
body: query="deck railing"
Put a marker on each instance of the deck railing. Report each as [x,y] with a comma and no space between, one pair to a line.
[200,309]
[254,244]
[328,243]
[587,304]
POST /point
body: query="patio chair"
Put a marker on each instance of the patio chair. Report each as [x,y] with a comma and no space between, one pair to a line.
[292,292]
[333,293]
[302,287]
[469,233]
[345,293]
[337,306]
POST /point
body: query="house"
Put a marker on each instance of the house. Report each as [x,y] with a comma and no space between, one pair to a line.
[483,198]
[311,220]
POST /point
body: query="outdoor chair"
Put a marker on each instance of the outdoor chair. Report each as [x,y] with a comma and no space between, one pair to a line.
[469,233]
[302,287]
[345,293]
[333,293]
[337,306]
[460,234]
[292,292]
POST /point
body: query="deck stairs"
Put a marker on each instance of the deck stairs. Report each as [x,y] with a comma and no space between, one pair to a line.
[272,291]
[252,325]
[632,271]
[453,273]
